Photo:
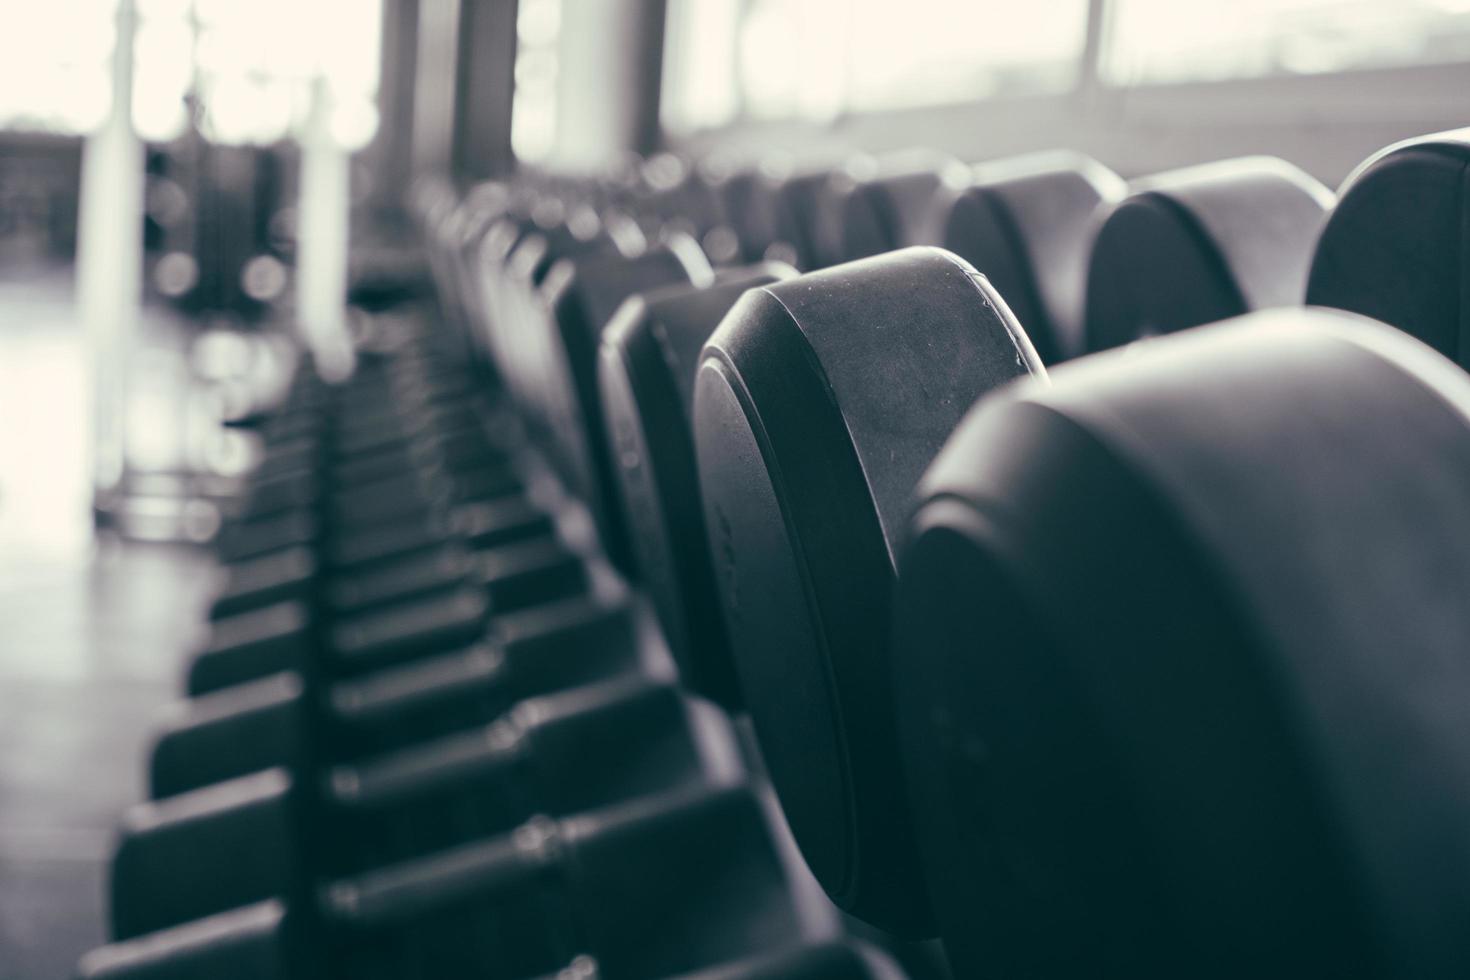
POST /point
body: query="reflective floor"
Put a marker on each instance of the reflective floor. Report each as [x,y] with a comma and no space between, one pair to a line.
[91,640]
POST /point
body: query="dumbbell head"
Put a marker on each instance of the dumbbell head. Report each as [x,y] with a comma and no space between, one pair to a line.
[1202,244]
[750,202]
[1027,223]
[482,208]
[805,213]
[882,203]
[1180,693]
[581,297]
[1395,246]
[509,257]
[818,404]
[646,375]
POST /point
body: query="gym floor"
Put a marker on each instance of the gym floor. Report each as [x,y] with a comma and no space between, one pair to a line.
[92,637]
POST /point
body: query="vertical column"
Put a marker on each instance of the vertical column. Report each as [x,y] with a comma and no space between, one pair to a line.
[1090,67]
[484,88]
[611,61]
[324,209]
[110,258]
[646,44]
[433,106]
[392,151]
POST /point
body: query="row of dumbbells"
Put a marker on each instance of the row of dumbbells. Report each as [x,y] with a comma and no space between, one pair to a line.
[426,739]
[1174,680]
[1239,808]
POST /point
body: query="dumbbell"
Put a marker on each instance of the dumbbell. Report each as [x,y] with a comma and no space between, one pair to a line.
[1179,694]
[433,515]
[829,857]
[1394,248]
[278,719]
[807,233]
[698,208]
[646,376]
[273,638]
[266,724]
[481,207]
[433,664]
[676,197]
[580,297]
[882,203]
[180,858]
[656,887]
[746,197]
[442,443]
[723,297]
[453,613]
[480,684]
[486,267]
[647,368]
[517,329]
[444,219]
[393,476]
[1202,244]
[1028,222]
[817,405]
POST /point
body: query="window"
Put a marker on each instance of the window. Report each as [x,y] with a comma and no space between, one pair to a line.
[814,59]
[54,63]
[1154,41]
[771,59]
[918,51]
[533,114]
[251,65]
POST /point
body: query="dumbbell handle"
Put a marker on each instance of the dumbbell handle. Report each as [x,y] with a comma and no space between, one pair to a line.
[245,942]
[251,726]
[244,830]
[180,857]
[539,862]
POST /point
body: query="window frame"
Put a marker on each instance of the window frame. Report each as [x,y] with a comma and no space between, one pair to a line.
[1325,121]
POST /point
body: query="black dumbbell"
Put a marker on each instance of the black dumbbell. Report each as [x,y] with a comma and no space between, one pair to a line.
[658,887]
[748,200]
[520,338]
[640,951]
[649,358]
[180,858]
[1028,223]
[279,720]
[1394,247]
[1198,245]
[475,677]
[426,575]
[441,462]
[807,225]
[426,529]
[179,754]
[581,296]
[1179,693]
[650,350]
[484,205]
[883,203]
[817,405]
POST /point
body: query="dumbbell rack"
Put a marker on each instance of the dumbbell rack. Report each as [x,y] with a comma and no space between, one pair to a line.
[434,733]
